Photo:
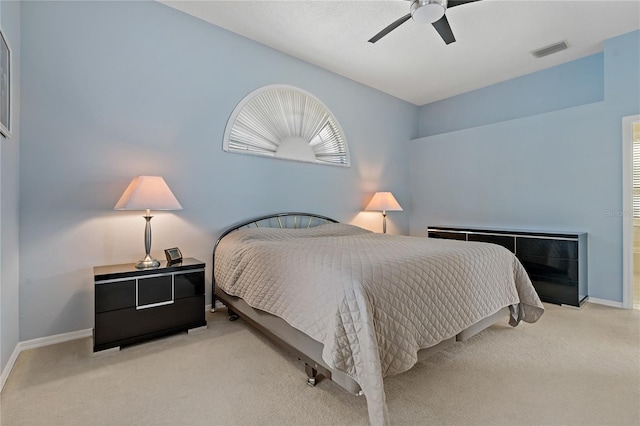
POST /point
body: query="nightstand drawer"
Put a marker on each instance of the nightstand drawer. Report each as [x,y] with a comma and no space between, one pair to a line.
[189,284]
[117,295]
[130,325]
[155,290]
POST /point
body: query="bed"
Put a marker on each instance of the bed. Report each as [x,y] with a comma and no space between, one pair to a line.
[356,306]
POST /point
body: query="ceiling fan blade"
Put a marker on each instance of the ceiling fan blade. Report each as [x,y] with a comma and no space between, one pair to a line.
[444,29]
[454,3]
[390,28]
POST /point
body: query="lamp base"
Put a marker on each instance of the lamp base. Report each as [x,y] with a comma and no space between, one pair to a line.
[148,264]
[384,222]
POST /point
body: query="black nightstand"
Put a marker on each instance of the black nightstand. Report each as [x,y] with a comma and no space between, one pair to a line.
[132,305]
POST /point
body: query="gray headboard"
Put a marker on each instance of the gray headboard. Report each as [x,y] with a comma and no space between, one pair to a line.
[277,220]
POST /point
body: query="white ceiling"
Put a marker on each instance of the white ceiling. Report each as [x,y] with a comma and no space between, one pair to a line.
[494,38]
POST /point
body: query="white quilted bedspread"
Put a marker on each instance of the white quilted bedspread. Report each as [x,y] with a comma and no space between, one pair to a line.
[373,300]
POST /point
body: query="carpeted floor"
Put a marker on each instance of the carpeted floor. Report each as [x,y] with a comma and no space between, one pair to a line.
[573,367]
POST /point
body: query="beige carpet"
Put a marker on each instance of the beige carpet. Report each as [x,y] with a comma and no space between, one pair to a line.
[574,367]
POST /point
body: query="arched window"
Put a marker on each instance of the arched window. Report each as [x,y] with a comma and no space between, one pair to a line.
[286,122]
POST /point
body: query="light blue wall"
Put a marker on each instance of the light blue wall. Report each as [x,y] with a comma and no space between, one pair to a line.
[557,170]
[574,83]
[9,193]
[117,89]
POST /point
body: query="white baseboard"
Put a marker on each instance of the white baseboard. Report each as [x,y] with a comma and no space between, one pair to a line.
[37,343]
[46,341]
[7,369]
[605,302]
[52,340]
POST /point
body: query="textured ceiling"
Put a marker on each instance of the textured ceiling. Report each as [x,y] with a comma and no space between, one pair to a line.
[494,38]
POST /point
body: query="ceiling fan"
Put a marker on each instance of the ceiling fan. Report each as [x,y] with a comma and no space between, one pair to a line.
[424,11]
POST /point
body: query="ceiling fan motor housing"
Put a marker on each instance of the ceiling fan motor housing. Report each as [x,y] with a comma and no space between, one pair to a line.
[428,11]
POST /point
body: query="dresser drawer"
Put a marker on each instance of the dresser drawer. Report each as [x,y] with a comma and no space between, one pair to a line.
[556,268]
[448,235]
[562,292]
[506,241]
[541,247]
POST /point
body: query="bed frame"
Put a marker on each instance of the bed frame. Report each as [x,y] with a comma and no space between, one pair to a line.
[299,344]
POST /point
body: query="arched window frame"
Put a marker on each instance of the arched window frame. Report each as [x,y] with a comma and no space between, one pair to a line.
[273,116]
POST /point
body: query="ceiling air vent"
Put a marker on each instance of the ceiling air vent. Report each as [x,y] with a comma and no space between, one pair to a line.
[548,50]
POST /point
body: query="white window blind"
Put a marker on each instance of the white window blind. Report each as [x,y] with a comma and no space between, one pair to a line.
[288,123]
[636,178]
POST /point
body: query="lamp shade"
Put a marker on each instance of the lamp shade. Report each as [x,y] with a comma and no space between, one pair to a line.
[383,201]
[148,192]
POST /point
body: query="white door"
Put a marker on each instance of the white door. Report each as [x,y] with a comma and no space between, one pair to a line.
[631,211]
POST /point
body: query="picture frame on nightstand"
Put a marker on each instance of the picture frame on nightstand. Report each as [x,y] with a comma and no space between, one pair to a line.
[173,255]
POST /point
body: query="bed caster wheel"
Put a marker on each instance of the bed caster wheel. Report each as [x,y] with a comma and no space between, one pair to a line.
[232,315]
[312,374]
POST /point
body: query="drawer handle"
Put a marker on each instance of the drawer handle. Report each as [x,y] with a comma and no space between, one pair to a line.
[153,305]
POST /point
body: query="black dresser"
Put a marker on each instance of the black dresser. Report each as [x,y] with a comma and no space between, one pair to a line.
[555,261]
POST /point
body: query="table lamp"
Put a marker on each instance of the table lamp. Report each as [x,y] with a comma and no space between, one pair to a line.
[148,193]
[383,201]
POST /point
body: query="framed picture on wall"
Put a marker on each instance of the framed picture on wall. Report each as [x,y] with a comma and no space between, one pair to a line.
[5,87]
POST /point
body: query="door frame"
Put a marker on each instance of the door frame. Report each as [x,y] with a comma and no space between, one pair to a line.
[627,210]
